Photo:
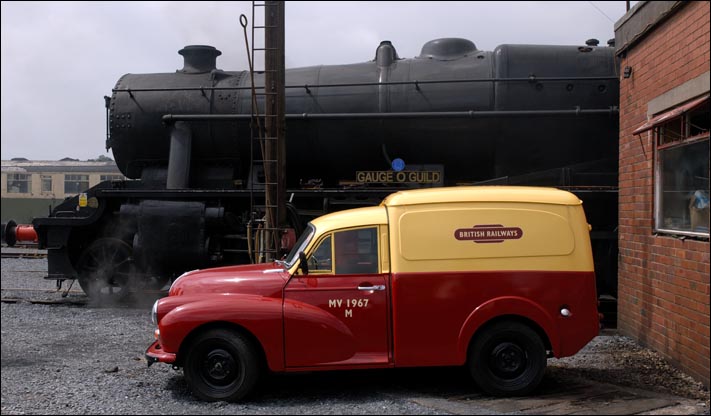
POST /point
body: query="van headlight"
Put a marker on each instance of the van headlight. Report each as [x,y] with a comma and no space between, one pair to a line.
[154,313]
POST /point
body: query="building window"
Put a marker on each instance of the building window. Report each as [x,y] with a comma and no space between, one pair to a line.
[110,178]
[681,203]
[75,184]
[46,183]
[19,183]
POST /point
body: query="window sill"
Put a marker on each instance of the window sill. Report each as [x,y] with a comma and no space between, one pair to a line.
[682,235]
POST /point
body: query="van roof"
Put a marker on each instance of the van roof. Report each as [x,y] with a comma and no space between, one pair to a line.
[356,217]
[529,194]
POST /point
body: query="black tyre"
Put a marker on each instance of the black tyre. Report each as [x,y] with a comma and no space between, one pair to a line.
[221,365]
[507,359]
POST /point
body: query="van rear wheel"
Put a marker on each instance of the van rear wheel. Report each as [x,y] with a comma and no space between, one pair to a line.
[508,359]
[221,365]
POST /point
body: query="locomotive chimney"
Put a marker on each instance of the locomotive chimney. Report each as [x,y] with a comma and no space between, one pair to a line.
[199,59]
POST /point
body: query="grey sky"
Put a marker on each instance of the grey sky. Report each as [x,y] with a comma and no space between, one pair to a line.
[60,58]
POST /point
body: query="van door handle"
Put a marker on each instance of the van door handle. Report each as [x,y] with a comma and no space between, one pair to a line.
[376,287]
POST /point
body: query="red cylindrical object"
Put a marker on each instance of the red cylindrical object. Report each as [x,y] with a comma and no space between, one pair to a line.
[12,233]
[26,233]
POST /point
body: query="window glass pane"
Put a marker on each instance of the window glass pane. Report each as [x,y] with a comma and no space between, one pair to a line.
[671,131]
[300,245]
[110,178]
[74,184]
[19,183]
[684,187]
[321,257]
[699,121]
[46,183]
[357,251]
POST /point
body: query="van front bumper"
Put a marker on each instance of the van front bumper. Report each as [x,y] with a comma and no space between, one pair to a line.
[155,353]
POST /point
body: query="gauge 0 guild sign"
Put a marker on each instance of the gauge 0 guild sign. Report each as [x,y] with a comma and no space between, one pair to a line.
[489,233]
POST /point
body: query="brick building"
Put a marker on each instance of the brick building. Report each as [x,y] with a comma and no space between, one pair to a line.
[663,51]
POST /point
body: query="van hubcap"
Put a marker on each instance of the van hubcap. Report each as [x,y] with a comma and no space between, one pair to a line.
[219,367]
[507,360]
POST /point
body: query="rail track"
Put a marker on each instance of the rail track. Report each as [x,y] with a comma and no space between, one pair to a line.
[23,255]
[32,295]
[23,250]
[64,300]
[78,297]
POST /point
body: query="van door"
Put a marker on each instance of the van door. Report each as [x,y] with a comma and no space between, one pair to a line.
[337,315]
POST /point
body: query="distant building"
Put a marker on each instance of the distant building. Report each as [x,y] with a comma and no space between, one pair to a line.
[31,188]
[663,50]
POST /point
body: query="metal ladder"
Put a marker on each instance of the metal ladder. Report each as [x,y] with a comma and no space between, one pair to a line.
[263,228]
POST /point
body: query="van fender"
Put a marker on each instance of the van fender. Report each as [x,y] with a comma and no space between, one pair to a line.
[261,316]
[505,306]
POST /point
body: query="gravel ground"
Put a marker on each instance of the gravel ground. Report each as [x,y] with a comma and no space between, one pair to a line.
[76,358]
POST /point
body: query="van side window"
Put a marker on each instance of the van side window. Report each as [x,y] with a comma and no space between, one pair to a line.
[357,251]
[320,260]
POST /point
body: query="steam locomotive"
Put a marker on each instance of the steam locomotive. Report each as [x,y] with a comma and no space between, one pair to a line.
[454,115]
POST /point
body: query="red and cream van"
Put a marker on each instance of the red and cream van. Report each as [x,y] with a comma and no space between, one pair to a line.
[494,278]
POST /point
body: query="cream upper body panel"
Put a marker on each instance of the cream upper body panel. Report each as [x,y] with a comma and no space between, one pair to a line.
[460,229]
[488,228]
[519,194]
[351,218]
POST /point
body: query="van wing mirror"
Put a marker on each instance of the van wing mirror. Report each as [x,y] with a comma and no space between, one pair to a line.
[303,263]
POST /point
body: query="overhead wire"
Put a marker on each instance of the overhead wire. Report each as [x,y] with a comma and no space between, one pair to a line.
[599,10]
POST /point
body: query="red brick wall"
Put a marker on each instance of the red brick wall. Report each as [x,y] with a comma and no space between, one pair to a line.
[663,281]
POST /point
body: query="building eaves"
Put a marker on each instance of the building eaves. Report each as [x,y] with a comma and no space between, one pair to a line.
[640,20]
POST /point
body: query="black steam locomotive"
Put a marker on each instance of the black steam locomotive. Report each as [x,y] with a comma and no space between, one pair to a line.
[454,115]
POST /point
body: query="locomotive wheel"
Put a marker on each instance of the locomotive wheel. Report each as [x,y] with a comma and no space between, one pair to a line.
[106,269]
[509,358]
[221,365]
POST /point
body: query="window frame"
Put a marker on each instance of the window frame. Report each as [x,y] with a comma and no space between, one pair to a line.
[318,246]
[13,177]
[110,177]
[376,240]
[660,146]
[332,235]
[44,178]
[68,175]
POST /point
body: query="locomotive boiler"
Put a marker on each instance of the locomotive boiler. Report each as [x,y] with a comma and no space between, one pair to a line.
[454,115]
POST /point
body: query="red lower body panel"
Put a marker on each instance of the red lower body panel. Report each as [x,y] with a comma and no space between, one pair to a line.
[436,314]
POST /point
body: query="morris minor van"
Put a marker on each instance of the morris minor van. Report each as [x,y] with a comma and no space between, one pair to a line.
[497,279]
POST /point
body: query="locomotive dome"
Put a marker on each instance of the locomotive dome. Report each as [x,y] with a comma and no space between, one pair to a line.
[447,49]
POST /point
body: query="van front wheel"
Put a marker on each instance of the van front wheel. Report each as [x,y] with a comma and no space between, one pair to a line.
[221,365]
[507,359]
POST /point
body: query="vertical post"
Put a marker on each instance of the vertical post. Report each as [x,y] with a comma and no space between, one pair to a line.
[274,80]
[179,157]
